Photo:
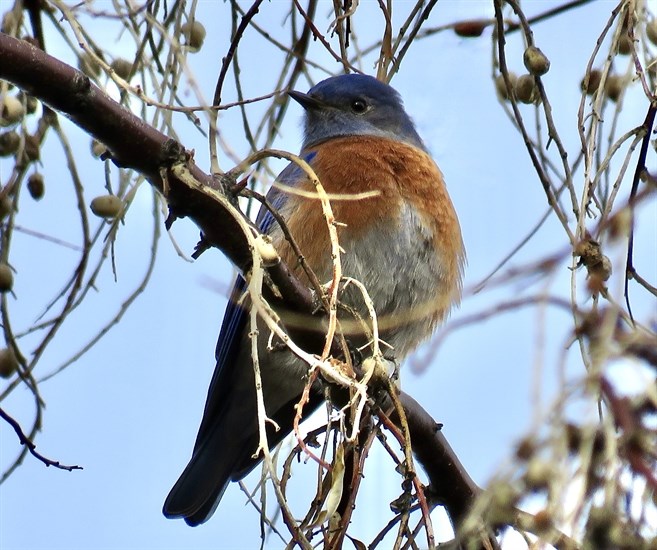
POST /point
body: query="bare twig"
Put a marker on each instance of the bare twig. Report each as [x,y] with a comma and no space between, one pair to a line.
[31,446]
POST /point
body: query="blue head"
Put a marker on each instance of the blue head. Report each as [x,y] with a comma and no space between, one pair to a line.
[355,105]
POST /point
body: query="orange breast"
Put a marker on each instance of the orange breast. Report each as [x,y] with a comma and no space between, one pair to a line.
[397,172]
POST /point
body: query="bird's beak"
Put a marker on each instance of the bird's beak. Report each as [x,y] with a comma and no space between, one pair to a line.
[305,100]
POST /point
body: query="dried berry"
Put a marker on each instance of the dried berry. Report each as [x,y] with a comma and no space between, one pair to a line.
[593,83]
[8,362]
[194,34]
[525,88]
[536,61]
[624,46]
[87,64]
[9,142]
[121,67]
[36,186]
[526,449]
[32,148]
[614,87]
[471,28]
[651,31]
[6,278]
[11,110]
[106,206]
[6,206]
[500,84]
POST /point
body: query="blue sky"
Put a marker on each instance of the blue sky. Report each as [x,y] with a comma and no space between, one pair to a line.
[129,409]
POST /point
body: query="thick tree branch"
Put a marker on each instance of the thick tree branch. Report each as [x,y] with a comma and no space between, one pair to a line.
[451,486]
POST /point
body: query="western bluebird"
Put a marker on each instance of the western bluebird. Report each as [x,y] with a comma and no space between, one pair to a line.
[403,242]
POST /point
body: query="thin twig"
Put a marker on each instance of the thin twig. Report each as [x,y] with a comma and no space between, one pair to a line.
[31,446]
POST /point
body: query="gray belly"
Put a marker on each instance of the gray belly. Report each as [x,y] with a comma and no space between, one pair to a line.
[398,264]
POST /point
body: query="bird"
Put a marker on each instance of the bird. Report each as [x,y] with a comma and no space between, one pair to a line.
[400,236]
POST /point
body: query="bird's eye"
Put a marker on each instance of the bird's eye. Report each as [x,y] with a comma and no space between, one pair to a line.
[359,106]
